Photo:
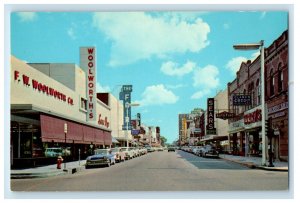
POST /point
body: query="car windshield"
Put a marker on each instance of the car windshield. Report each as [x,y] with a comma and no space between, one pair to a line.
[114,150]
[101,151]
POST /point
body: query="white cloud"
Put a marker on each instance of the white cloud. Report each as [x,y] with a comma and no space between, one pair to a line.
[255,55]
[206,77]
[100,88]
[157,95]
[234,64]
[27,16]
[172,68]
[200,94]
[138,35]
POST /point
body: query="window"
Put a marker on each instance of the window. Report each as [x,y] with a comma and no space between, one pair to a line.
[272,82]
[280,78]
[258,91]
[83,103]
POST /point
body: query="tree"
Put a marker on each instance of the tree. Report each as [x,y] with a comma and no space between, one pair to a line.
[163,140]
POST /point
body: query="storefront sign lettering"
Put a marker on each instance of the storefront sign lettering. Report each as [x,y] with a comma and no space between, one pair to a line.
[278,107]
[252,117]
[88,63]
[210,116]
[225,115]
[43,88]
[241,100]
[102,121]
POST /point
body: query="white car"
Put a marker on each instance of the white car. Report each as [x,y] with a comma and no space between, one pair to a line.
[119,154]
[128,153]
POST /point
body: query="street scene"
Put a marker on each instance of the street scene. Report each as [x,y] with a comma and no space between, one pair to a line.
[162,171]
[149,101]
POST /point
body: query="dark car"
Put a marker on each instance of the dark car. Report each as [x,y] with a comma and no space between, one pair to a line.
[101,157]
[171,148]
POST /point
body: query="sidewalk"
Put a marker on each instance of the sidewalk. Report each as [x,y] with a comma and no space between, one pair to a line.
[46,171]
[255,162]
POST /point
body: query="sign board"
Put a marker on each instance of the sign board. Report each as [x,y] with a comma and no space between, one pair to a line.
[211,132]
[241,100]
[65,128]
[225,115]
[88,64]
[135,132]
[210,114]
[125,96]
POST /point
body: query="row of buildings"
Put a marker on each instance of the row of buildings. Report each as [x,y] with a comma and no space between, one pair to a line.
[233,119]
[56,105]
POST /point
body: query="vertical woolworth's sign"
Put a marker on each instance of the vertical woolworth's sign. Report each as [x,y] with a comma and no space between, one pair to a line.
[125,95]
[210,127]
[88,64]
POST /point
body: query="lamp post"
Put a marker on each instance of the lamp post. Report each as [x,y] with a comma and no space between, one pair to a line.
[127,106]
[255,46]
[65,131]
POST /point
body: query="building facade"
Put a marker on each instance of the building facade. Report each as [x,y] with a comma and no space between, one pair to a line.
[244,95]
[277,95]
[49,110]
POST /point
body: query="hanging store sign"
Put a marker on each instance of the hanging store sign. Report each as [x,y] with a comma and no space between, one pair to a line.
[210,127]
[241,100]
[88,64]
[125,96]
[225,115]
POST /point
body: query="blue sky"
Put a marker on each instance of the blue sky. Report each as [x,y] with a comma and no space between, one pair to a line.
[174,60]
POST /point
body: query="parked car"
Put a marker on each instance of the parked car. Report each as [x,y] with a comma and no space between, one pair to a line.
[101,157]
[209,150]
[119,154]
[53,152]
[128,153]
[150,149]
[171,148]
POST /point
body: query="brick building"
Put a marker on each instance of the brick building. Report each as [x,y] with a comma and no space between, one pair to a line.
[245,128]
[276,70]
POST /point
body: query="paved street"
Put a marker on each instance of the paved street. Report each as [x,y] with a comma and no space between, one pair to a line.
[162,171]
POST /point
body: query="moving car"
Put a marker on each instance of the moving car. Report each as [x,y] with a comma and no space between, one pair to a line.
[171,148]
[101,157]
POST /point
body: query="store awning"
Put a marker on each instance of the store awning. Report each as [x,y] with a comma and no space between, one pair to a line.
[115,141]
[52,130]
[215,138]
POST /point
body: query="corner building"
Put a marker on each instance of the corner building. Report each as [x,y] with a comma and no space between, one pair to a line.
[49,110]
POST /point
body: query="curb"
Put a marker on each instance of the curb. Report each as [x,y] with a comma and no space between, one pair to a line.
[253,166]
[32,175]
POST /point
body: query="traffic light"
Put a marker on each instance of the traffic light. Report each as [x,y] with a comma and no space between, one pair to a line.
[269,130]
[266,126]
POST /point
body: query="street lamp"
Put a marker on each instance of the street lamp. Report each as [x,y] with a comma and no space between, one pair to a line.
[255,46]
[127,106]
